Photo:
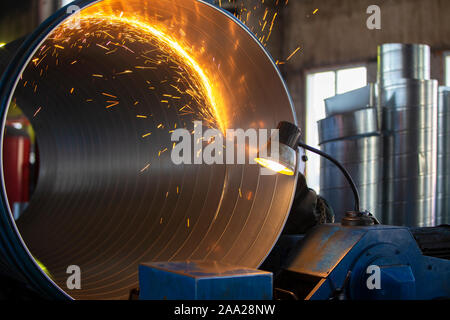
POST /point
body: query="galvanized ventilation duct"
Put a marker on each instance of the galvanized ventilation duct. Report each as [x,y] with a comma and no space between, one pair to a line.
[398,60]
[352,138]
[443,158]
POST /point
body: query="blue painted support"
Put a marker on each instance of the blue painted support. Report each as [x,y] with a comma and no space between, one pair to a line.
[340,257]
[202,280]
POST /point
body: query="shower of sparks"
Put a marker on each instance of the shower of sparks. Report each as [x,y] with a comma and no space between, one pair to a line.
[190,93]
[292,54]
[112,104]
[109,95]
[256,14]
[124,72]
[315,11]
[110,32]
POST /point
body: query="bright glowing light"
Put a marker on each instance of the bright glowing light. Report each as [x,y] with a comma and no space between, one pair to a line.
[274,166]
[2,44]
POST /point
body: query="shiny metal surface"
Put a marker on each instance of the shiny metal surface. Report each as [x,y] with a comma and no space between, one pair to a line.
[287,157]
[407,93]
[362,158]
[409,109]
[349,124]
[365,97]
[354,140]
[443,158]
[397,60]
[322,250]
[108,199]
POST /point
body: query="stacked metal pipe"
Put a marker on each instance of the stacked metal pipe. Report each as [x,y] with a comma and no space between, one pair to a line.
[352,138]
[408,104]
[443,158]
[404,158]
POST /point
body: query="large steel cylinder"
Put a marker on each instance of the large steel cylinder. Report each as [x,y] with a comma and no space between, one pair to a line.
[410,145]
[398,60]
[443,158]
[353,138]
[104,90]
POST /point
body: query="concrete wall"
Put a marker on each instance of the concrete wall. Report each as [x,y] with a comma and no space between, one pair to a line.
[17,19]
[337,35]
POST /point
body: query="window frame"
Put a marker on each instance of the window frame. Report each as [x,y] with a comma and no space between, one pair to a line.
[335,69]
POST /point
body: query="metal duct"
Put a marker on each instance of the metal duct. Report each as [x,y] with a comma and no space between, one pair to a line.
[353,139]
[410,133]
[408,104]
[443,158]
[397,60]
[108,196]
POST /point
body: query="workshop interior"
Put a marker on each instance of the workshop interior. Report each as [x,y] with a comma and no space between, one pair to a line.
[353,205]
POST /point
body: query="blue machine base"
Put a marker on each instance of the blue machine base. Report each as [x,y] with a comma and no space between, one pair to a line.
[202,280]
[370,263]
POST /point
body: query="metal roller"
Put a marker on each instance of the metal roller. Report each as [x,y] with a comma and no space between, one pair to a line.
[443,158]
[108,195]
[352,138]
[397,61]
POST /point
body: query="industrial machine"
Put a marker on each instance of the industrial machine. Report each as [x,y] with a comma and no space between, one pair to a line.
[104,84]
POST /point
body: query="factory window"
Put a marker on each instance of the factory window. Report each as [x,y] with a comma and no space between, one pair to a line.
[447,69]
[320,86]
[65,2]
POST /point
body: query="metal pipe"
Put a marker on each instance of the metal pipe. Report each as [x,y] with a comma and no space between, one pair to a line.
[410,146]
[341,168]
[398,60]
[353,138]
[108,195]
[408,108]
[443,158]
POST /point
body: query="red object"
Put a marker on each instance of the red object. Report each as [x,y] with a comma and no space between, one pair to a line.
[16,165]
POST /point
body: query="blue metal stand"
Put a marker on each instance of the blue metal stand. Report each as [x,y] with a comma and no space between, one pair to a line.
[202,280]
[375,262]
